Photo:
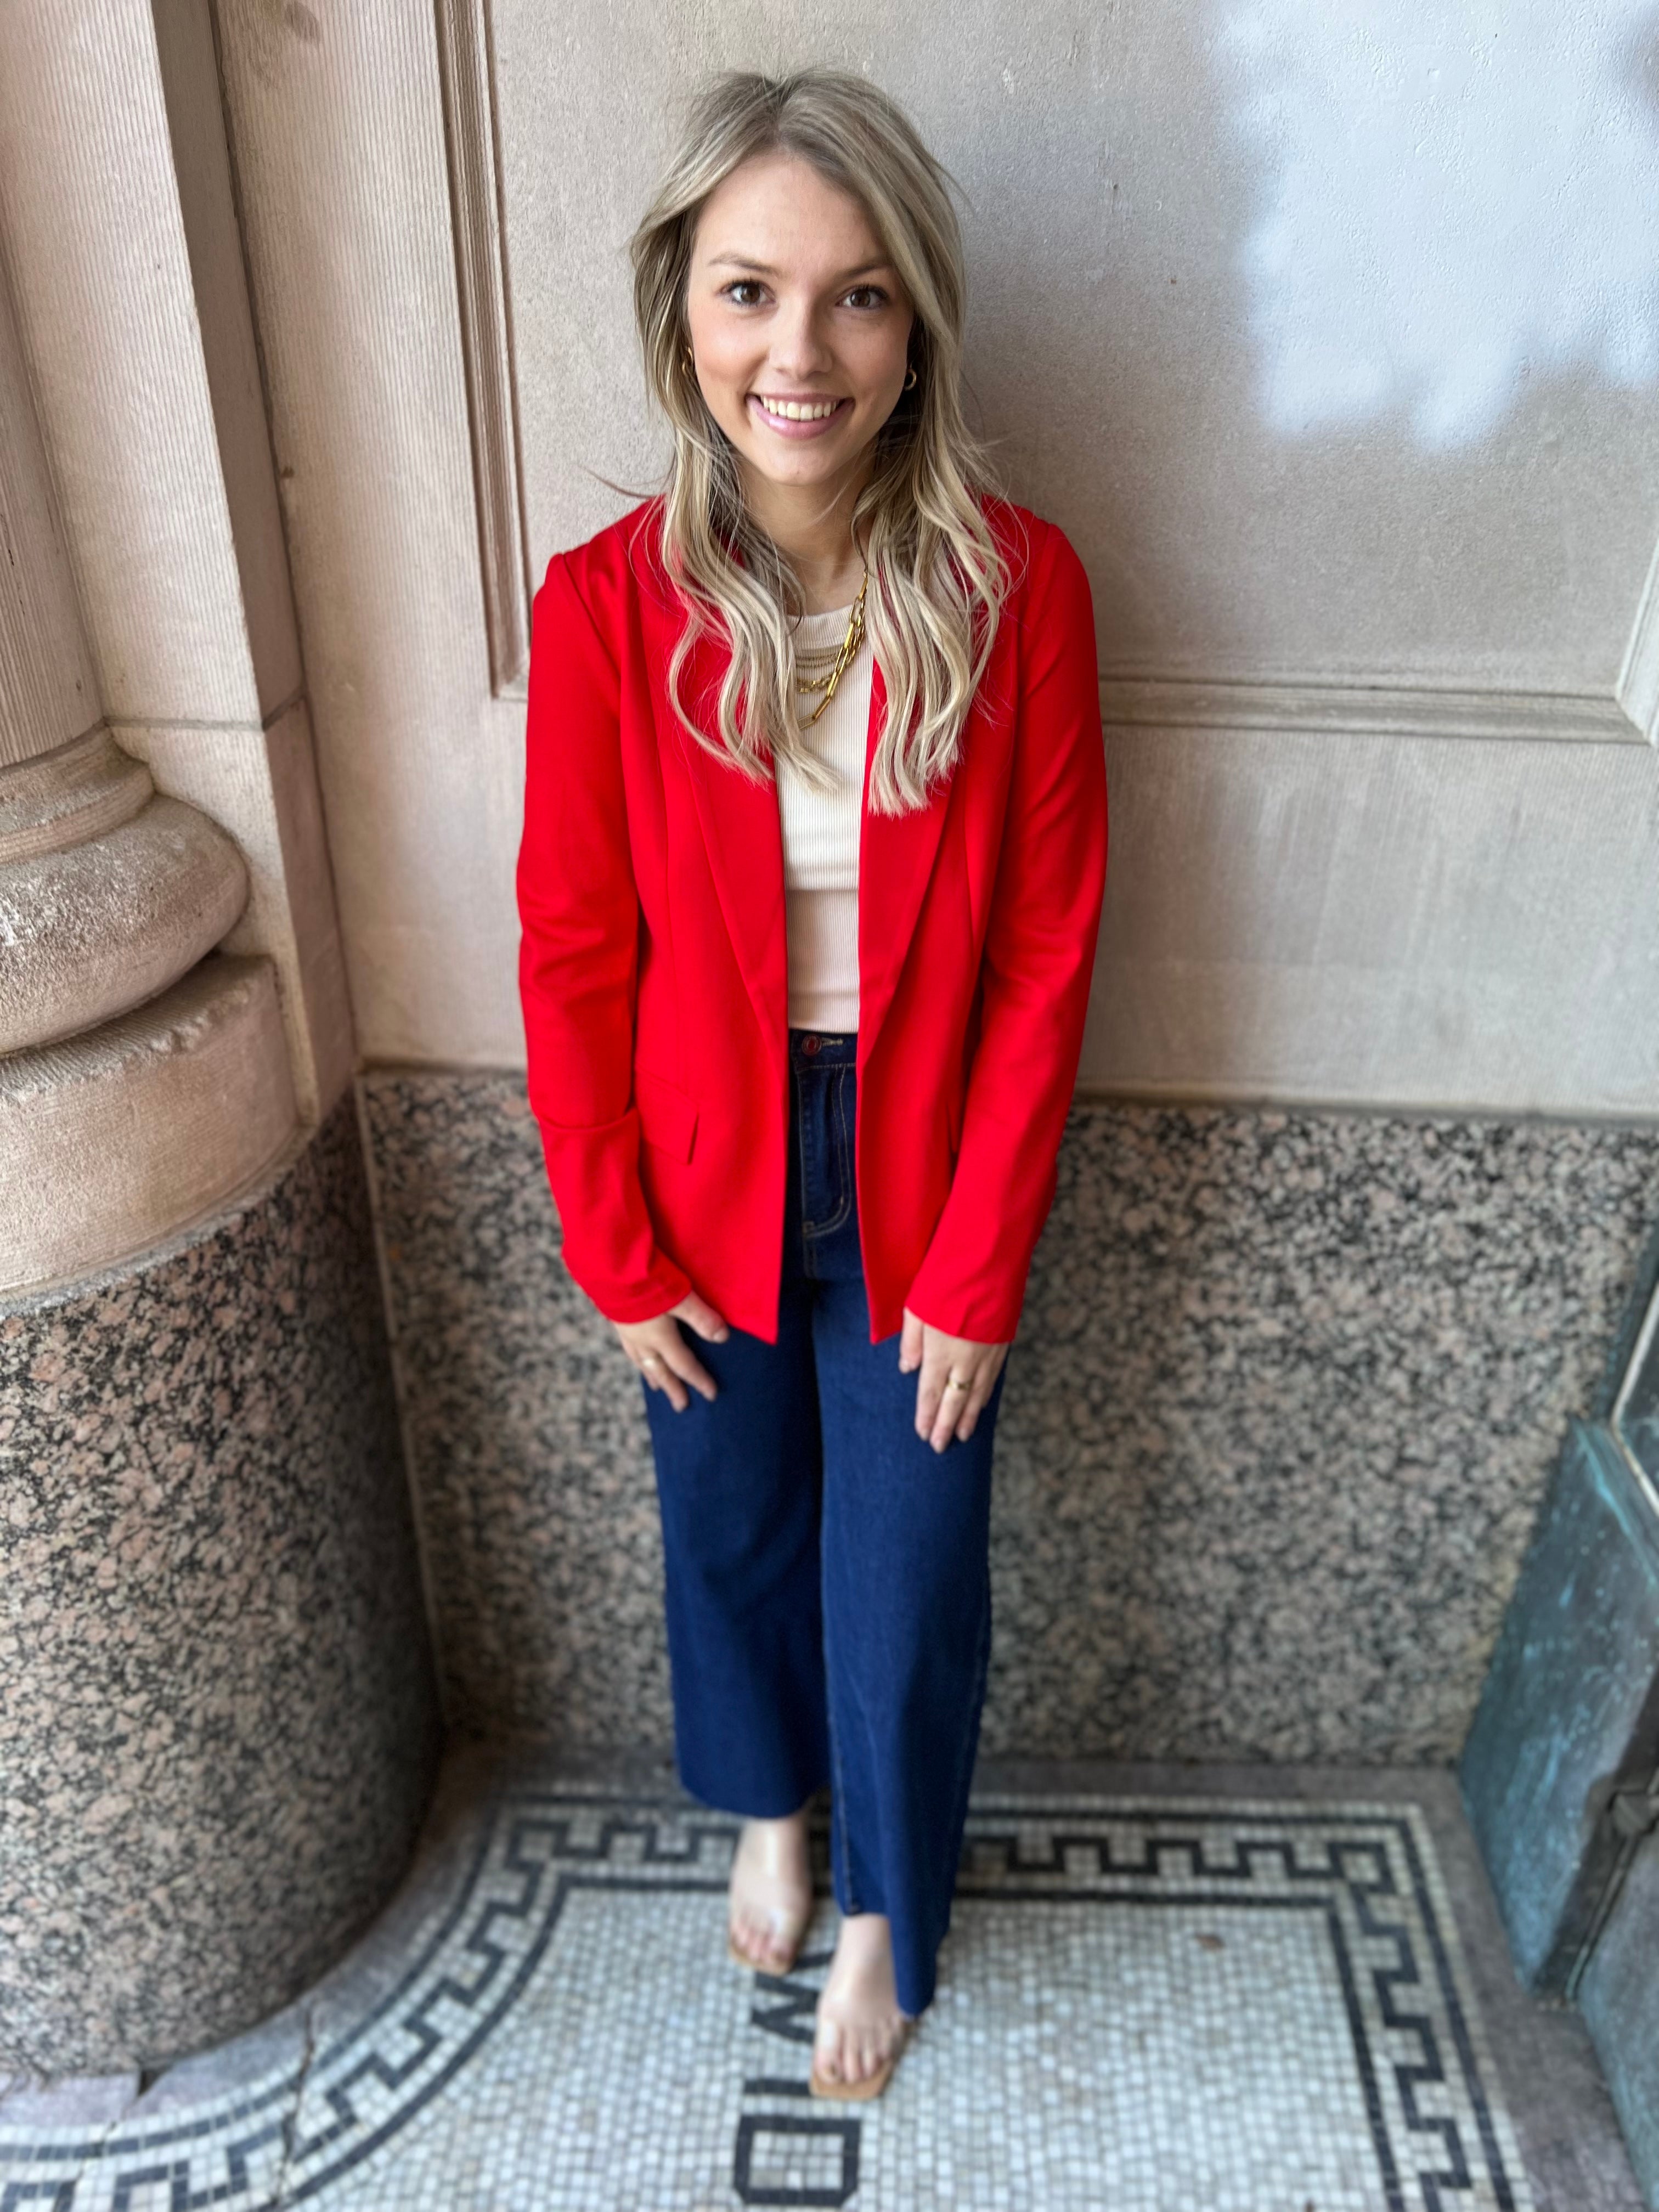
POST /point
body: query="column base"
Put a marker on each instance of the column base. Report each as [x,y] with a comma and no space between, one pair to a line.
[218,1722]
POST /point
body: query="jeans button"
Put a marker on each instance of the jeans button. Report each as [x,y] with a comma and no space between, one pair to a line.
[809,1045]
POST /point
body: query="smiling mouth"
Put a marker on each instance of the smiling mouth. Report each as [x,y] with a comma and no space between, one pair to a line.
[798,410]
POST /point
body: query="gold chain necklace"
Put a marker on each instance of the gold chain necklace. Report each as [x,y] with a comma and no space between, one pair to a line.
[843,656]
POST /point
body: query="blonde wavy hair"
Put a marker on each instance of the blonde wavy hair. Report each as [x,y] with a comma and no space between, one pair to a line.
[937,578]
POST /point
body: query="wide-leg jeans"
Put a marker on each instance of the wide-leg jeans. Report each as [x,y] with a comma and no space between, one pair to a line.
[827,1578]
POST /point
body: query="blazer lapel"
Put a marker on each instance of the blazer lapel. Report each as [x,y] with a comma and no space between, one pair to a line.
[895,858]
[741,833]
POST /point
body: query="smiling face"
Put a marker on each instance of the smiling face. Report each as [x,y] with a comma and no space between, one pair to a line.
[799,325]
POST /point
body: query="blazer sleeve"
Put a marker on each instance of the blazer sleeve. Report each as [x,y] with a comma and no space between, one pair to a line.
[1039,955]
[578,959]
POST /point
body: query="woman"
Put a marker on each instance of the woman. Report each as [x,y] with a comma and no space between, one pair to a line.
[814,846]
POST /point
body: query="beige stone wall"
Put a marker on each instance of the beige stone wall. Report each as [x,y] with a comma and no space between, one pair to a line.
[1352,415]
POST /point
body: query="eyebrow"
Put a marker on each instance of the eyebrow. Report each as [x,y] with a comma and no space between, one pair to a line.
[764,268]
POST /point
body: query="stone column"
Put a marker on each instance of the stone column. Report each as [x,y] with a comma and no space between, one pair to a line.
[218,1719]
[140,1082]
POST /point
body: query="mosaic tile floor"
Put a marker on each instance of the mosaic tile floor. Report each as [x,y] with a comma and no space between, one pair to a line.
[1147,2004]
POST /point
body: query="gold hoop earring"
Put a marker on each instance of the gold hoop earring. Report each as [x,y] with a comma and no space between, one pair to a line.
[685,356]
[910,380]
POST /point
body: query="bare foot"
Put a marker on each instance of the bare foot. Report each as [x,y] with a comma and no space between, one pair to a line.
[771,1894]
[860,2025]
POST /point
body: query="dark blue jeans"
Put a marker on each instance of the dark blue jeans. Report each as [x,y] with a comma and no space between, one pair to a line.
[828,1593]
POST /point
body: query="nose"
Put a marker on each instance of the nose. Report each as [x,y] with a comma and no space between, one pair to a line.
[798,345]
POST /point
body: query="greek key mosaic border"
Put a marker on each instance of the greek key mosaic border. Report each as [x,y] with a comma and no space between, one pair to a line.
[1365,1873]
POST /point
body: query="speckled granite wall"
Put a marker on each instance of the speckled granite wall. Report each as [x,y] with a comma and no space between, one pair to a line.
[217,1725]
[1287,1391]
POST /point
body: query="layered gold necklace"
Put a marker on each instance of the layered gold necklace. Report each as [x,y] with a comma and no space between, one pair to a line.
[841,657]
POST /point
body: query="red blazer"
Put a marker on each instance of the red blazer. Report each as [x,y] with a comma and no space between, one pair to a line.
[654,981]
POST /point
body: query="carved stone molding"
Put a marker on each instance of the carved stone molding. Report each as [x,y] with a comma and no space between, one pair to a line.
[108,891]
[467,59]
[1392,710]
[1626,715]
[77,791]
[1638,688]
[112,1140]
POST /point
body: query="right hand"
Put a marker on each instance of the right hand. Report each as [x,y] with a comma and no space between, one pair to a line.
[661,1353]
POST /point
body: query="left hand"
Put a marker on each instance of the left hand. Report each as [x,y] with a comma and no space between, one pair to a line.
[943,1409]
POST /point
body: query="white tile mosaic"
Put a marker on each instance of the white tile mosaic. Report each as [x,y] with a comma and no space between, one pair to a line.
[1170,2005]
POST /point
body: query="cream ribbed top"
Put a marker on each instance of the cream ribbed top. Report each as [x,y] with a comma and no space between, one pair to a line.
[821,841]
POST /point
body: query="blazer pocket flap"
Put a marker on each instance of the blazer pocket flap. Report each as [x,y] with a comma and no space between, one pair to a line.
[668,1119]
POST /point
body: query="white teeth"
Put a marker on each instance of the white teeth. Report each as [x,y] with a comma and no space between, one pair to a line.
[793,410]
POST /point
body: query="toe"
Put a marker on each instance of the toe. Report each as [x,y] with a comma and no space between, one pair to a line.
[827,2052]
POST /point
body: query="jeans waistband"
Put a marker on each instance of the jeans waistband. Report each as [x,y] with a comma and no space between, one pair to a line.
[822,1048]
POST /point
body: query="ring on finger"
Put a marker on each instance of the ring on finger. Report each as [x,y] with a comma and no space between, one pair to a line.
[956,1383]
